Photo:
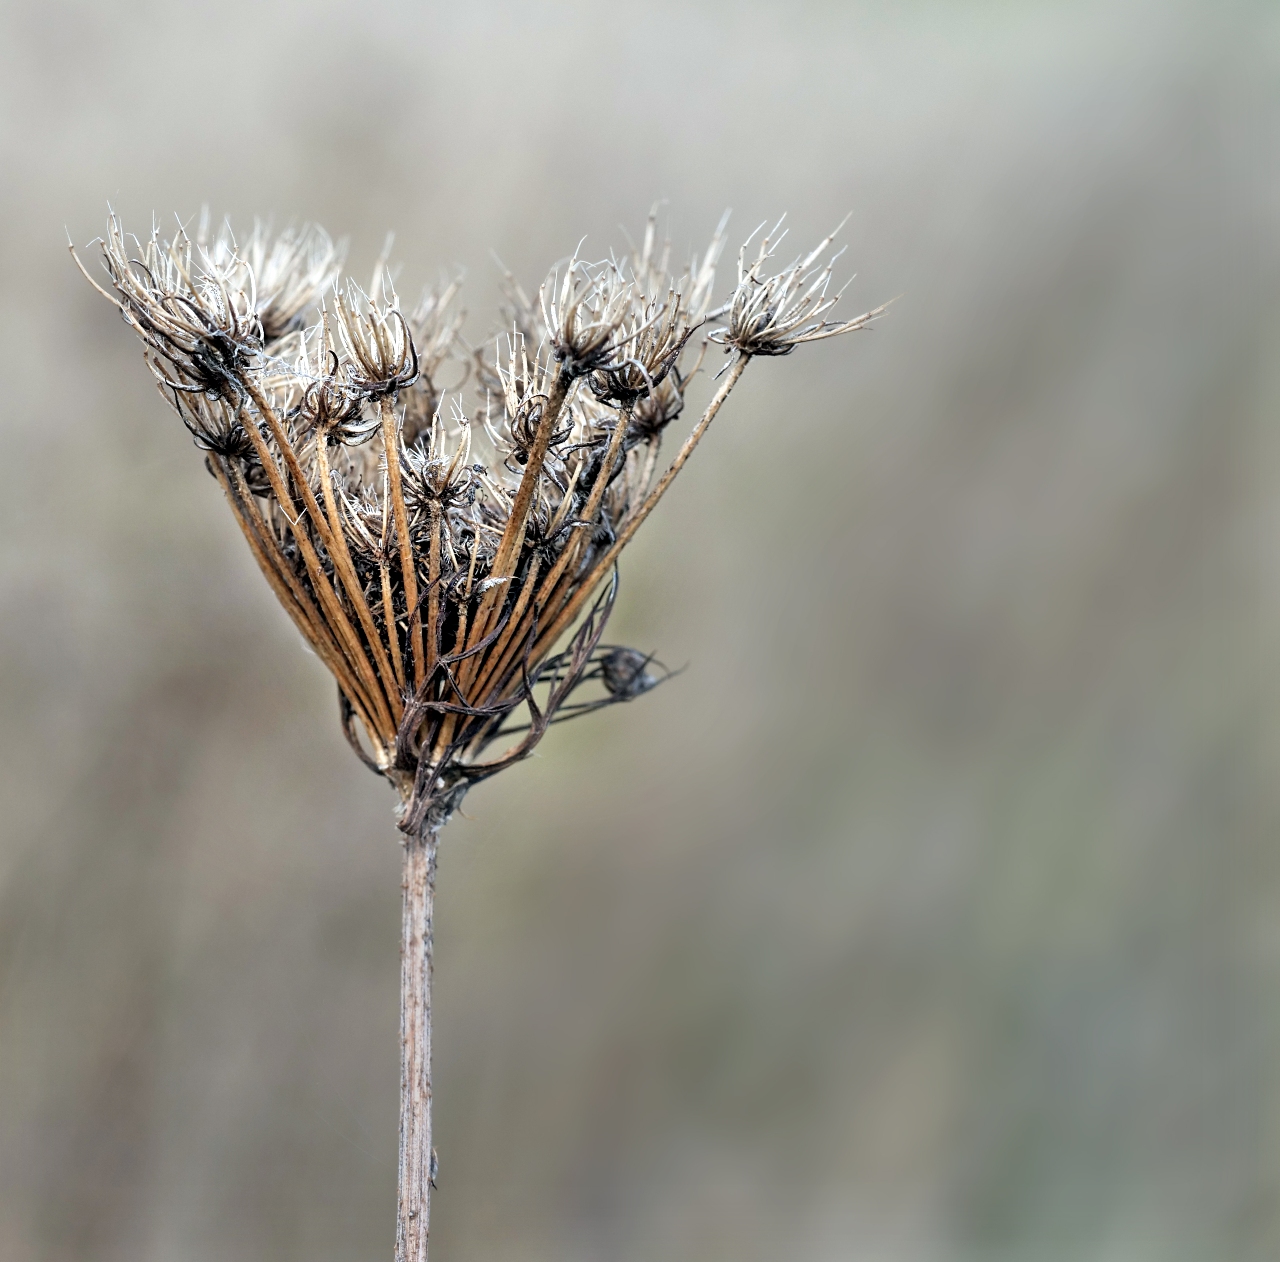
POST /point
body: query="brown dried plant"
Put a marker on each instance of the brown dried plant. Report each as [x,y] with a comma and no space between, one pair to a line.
[454,570]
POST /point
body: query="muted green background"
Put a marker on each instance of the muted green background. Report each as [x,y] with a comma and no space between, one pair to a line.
[933,913]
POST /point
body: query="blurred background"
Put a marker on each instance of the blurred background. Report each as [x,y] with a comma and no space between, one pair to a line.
[932,913]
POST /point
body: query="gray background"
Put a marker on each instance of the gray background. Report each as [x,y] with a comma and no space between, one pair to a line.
[933,913]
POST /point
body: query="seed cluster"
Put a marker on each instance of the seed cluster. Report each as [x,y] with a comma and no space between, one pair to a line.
[435,556]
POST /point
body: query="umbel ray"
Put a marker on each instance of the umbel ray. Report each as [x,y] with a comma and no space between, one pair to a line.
[452,563]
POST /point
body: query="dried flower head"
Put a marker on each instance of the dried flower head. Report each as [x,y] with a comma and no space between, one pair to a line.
[380,356]
[773,314]
[436,562]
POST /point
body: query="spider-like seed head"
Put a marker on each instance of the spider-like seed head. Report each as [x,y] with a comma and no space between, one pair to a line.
[649,343]
[436,479]
[525,384]
[330,406]
[185,311]
[584,314]
[438,588]
[286,274]
[376,340]
[772,315]
[662,405]
[215,424]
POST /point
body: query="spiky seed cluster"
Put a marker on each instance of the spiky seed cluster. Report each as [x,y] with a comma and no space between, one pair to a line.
[435,585]
[773,314]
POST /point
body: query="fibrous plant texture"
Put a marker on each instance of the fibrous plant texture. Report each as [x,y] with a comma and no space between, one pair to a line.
[451,556]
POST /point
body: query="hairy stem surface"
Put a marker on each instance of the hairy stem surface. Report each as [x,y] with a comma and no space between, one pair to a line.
[418,885]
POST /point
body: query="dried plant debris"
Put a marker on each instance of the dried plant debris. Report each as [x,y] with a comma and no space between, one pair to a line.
[454,566]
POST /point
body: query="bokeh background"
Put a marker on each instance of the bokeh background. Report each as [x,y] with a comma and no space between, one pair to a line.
[932,913]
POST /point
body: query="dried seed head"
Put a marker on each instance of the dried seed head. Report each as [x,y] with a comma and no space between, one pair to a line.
[584,314]
[625,673]
[434,325]
[286,274]
[190,316]
[330,406]
[214,423]
[375,337]
[526,389]
[648,344]
[435,478]
[433,585]
[772,315]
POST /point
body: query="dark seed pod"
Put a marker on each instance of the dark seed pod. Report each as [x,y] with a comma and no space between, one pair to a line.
[625,673]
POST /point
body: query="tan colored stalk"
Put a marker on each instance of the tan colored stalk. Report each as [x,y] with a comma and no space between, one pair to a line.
[601,567]
[433,591]
[389,614]
[512,539]
[391,449]
[509,641]
[319,580]
[322,636]
[547,597]
[350,580]
[460,643]
[296,603]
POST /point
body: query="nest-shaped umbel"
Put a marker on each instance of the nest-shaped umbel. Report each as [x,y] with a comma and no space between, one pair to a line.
[435,561]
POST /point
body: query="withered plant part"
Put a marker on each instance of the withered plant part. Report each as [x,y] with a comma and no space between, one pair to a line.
[454,572]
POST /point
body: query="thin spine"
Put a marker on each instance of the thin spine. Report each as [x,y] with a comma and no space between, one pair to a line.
[513,535]
[495,659]
[322,637]
[555,586]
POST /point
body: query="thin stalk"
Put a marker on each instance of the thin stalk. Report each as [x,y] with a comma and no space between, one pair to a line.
[555,588]
[342,563]
[504,563]
[509,641]
[508,553]
[389,614]
[350,642]
[433,592]
[290,592]
[583,592]
[391,448]
[414,1207]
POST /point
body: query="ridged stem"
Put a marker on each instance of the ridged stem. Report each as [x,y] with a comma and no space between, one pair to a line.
[416,1154]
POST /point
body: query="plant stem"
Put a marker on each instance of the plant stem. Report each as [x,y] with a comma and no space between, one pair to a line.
[418,885]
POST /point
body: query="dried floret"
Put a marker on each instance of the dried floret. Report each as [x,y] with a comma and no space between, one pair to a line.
[773,314]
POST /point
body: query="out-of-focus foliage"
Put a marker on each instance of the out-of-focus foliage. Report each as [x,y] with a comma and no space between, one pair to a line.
[931,914]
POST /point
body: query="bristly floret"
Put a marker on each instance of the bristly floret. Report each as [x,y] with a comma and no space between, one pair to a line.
[190,314]
[586,313]
[286,274]
[773,314]
[330,405]
[435,325]
[437,587]
[376,342]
